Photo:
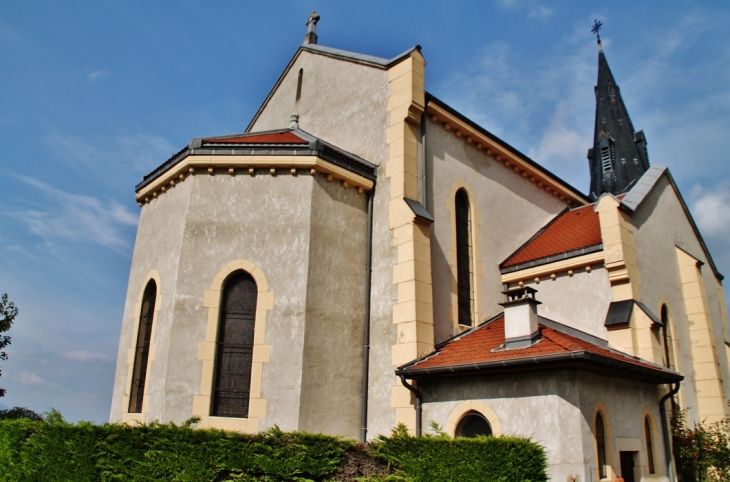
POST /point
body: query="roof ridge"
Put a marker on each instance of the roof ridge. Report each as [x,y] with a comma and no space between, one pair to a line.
[562,339]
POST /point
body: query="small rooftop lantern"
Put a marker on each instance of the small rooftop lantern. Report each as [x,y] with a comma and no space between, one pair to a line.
[520,317]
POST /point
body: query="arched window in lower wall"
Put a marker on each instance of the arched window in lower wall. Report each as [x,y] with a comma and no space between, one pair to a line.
[472,425]
[649,445]
[234,351]
[142,348]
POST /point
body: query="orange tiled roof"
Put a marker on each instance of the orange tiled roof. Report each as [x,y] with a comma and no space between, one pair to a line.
[571,230]
[482,345]
[284,137]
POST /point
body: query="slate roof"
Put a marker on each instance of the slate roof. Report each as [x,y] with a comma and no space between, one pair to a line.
[571,233]
[480,351]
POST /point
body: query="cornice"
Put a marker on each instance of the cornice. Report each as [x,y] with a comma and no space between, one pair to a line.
[501,154]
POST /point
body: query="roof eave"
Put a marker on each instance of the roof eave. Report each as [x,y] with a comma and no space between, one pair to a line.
[575,360]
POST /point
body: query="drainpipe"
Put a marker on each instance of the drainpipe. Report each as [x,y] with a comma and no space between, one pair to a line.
[665,430]
[419,410]
[366,323]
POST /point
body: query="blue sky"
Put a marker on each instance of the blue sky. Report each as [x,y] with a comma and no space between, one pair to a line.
[95,94]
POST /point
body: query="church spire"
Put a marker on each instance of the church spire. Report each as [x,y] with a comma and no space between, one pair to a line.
[618,157]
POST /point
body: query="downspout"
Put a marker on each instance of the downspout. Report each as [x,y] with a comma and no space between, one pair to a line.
[366,322]
[665,430]
[419,410]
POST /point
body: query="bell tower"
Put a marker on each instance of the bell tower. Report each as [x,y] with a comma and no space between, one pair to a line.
[618,157]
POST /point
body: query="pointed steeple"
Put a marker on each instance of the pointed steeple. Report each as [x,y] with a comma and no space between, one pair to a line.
[619,156]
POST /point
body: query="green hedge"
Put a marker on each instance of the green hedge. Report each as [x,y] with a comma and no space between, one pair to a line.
[39,451]
[480,459]
[58,451]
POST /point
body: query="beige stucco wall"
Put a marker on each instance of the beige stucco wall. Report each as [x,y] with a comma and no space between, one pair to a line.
[555,409]
[189,233]
[580,301]
[162,253]
[661,226]
[342,102]
[511,211]
[331,369]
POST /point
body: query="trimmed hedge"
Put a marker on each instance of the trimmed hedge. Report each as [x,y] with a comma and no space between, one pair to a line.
[493,459]
[42,451]
[39,451]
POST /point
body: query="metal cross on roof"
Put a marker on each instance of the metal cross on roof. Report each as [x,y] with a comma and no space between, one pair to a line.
[596,27]
[311,36]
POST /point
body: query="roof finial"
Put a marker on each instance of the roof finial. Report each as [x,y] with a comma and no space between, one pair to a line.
[596,30]
[311,36]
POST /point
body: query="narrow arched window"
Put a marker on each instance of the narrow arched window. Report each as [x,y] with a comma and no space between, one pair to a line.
[142,348]
[472,425]
[649,448]
[234,351]
[464,258]
[667,338]
[601,446]
[300,78]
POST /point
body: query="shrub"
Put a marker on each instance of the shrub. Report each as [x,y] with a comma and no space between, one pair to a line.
[480,459]
[702,453]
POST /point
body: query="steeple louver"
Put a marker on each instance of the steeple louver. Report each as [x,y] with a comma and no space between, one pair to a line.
[619,156]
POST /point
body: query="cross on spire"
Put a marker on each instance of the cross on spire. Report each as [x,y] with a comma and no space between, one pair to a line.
[311,36]
[596,29]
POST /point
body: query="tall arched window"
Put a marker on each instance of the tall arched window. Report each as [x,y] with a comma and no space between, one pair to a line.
[649,448]
[234,351]
[667,338]
[601,446]
[464,256]
[142,348]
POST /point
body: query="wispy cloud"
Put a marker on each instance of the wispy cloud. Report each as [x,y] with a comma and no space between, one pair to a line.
[140,151]
[96,75]
[711,209]
[30,379]
[86,356]
[534,9]
[76,218]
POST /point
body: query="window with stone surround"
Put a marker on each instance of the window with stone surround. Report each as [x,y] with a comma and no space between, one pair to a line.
[234,349]
[142,348]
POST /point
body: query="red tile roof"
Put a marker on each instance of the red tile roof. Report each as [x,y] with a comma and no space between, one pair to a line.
[569,231]
[484,344]
[284,137]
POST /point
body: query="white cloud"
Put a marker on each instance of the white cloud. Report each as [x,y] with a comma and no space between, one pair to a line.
[76,217]
[711,210]
[540,11]
[31,379]
[96,75]
[85,356]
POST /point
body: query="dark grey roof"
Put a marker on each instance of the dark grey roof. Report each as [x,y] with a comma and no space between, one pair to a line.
[619,313]
[421,213]
[360,58]
[310,146]
[619,156]
[641,189]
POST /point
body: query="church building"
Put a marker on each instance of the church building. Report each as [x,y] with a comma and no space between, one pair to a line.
[364,255]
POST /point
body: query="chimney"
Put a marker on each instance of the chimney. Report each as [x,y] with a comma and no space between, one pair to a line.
[520,317]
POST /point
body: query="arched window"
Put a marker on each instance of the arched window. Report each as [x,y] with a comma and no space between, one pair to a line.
[464,257]
[472,425]
[601,446]
[649,448]
[667,338]
[300,78]
[234,351]
[142,348]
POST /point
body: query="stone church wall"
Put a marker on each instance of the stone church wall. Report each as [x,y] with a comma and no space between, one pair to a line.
[507,210]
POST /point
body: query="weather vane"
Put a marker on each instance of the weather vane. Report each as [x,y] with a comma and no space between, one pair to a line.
[596,27]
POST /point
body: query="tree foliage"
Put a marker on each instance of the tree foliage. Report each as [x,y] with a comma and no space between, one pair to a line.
[8,312]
